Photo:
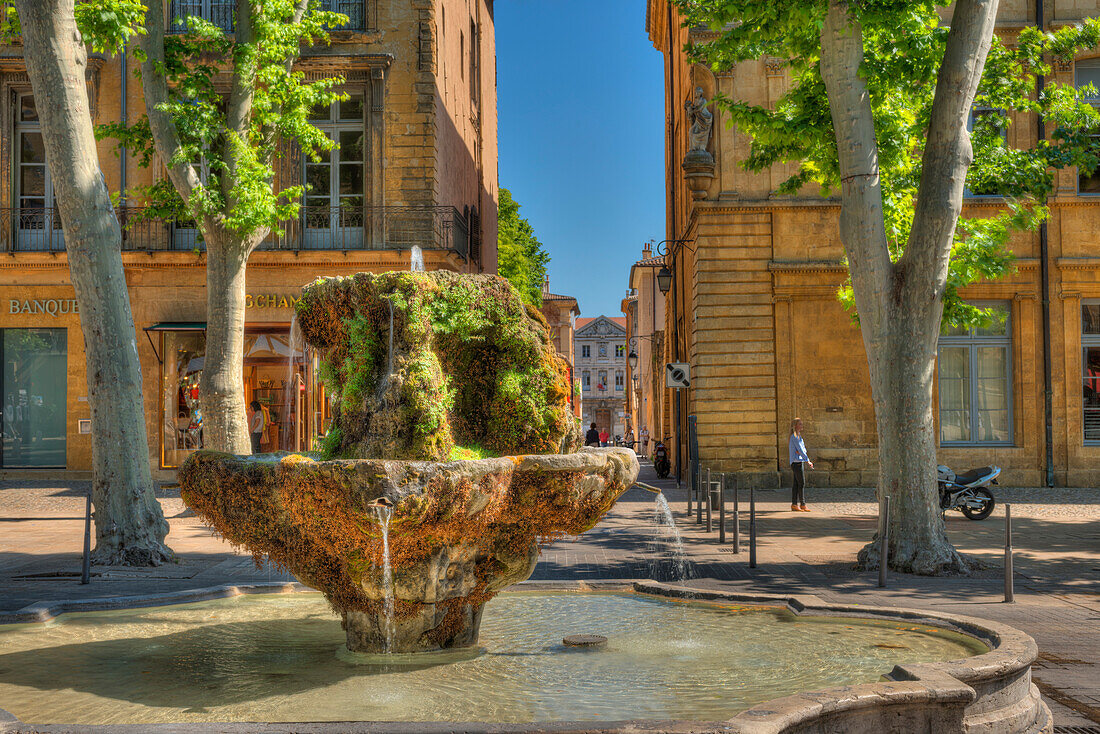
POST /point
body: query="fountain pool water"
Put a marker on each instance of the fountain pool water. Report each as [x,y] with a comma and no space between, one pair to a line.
[281,658]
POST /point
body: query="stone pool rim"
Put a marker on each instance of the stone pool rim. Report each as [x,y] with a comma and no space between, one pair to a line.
[989,692]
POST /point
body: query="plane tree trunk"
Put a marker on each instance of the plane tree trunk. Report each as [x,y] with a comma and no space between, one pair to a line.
[900,303]
[130,527]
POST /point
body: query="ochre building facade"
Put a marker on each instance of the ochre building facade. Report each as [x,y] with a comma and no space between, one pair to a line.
[416,167]
[753,307]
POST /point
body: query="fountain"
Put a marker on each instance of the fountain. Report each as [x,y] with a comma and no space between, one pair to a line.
[403,522]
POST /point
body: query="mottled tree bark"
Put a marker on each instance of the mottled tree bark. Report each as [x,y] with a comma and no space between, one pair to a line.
[130,528]
[900,304]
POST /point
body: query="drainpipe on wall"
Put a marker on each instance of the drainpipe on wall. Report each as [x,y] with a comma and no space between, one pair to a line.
[122,119]
[671,178]
[1044,260]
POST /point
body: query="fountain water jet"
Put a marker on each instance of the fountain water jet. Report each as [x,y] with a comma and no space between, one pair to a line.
[384,513]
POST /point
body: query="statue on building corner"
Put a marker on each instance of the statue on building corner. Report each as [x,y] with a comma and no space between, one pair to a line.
[698,164]
[702,122]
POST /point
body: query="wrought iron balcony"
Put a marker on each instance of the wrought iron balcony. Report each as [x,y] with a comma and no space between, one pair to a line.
[220,13]
[38,229]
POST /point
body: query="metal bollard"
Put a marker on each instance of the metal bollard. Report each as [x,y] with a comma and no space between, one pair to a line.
[884,542]
[86,568]
[710,502]
[1010,595]
[736,520]
[722,508]
[752,527]
[699,501]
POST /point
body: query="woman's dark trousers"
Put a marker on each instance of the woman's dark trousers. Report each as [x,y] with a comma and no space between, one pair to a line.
[798,490]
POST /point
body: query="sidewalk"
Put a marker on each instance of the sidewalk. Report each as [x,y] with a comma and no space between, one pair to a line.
[1056,537]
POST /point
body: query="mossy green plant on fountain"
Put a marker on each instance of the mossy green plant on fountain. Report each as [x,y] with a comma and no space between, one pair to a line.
[470,366]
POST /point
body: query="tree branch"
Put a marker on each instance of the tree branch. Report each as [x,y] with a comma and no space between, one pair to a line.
[154,86]
[947,151]
[862,225]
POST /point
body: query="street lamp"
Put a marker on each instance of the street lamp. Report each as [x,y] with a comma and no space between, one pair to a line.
[633,360]
[664,279]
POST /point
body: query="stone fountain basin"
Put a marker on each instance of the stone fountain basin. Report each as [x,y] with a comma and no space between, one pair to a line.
[458,532]
[990,692]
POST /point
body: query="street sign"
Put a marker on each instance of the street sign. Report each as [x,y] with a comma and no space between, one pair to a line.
[677,375]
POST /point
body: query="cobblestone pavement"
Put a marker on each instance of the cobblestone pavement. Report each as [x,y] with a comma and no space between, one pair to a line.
[1056,540]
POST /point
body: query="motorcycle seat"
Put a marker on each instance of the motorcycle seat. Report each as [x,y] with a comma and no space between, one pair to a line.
[973,475]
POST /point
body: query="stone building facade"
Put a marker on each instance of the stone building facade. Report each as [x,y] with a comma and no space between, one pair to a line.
[419,141]
[600,349]
[753,306]
[644,308]
[561,314]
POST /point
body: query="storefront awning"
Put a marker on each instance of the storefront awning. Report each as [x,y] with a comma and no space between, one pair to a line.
[171,326]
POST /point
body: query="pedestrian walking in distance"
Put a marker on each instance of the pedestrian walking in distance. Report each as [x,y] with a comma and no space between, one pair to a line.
[799,461]
[592,438]
[256,425]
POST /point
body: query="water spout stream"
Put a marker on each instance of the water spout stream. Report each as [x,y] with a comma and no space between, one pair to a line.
[384,513]
[666,526]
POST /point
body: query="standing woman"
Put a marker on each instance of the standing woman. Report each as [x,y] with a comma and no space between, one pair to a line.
[799,461]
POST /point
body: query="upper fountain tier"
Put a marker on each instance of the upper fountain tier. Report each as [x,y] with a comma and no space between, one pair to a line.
[421,363]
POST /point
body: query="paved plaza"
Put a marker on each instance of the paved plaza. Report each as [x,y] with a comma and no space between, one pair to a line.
[1057,562]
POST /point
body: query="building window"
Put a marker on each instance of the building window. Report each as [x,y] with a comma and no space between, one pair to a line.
[218,12]
[619,351]
[994,115]
[586,380]
[586,351]
[601,383]
[1090,367]
[1085,73]
[475,53]
[619,380]
[335,181]
[38,225]
[34,384]
[975,385]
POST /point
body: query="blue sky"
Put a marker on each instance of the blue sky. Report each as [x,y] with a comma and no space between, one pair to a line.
[581,137]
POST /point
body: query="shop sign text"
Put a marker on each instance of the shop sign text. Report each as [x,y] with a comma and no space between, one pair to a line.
[49,306]
[269,301]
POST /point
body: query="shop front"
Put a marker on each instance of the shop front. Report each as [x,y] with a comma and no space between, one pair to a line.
[279,375]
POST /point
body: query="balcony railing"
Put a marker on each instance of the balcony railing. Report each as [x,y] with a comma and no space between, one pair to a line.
[317,228]
[220,13]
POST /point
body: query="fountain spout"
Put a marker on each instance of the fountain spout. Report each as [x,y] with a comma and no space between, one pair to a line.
[380,502]
[648,487]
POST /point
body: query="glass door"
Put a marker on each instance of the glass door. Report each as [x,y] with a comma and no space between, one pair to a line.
[34,386]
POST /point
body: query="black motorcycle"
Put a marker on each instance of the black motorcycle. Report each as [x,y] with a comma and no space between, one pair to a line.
[661,464]
[968,493]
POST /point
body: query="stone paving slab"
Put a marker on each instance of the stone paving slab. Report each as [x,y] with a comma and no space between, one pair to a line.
[1057,563]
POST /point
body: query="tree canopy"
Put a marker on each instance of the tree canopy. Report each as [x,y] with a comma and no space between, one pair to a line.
[520,256]
[904,44]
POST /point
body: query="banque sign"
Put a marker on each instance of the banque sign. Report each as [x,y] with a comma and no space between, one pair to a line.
[49,306]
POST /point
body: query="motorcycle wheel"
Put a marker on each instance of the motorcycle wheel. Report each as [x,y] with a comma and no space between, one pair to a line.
[987,506]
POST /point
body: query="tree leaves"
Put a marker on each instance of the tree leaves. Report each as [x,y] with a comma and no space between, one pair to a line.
[520,256]
[904,44]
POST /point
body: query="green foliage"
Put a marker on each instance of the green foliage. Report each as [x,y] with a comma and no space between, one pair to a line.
[903,48]
[521,258]
[236,163]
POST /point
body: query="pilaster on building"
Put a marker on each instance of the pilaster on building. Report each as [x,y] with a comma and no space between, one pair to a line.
[753,307]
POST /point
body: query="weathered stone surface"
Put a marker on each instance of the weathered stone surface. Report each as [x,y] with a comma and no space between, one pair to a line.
[422,363]
[460,531]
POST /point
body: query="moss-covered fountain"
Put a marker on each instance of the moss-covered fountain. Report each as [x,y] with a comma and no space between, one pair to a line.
[429,373]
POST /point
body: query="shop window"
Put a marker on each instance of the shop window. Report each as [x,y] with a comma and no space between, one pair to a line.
[1090,368]
[333,203]
[975,383]
[275,376]
[1086,73]
[35,384]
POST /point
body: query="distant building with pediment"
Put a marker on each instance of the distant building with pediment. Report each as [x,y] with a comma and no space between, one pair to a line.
[599,346]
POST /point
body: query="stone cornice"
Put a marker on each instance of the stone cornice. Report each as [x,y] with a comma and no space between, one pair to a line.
[1077,263]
